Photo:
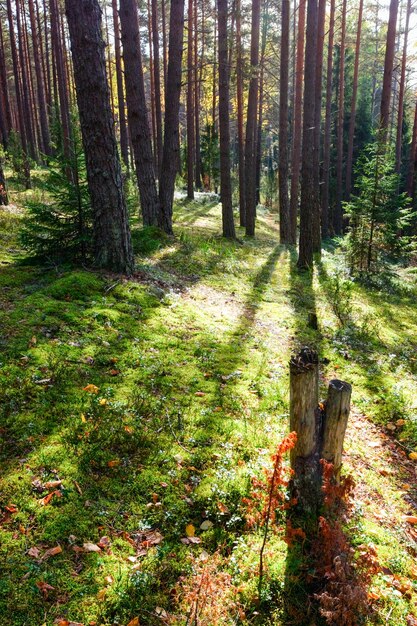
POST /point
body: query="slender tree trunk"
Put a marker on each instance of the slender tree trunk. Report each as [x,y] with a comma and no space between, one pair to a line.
[4,199]
[352,123]
[172,103]
[250,144]
[124,142]
[61,78]
[284,208]
[157,83]
[259,124]
[309,194]
[317,120]
[214,85]
[152,81]
[39,82]
[197,90]
[240,128]
[326,221]
[137,112]
[19,102]
[111,233]
[30,134]
[338,215]
[297,132]
[190,104]
[224,103]
[48,55]
[399,140]
[412,158]
[5,89]
[164,44]
[388,70]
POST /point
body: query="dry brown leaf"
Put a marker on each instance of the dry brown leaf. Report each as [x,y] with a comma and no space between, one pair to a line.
[104,542]
[44,588]
[134,622]
[199,394]
[51,552]
[34,552]
[91,547]
[53,484]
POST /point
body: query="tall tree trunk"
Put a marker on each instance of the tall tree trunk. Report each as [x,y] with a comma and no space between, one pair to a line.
[326,220]
[190,104]
[317,119]
[250,144]
[309,194]
[224,103]
[137,112]
[152,81]
[111,233]
[39,82]
[30,133]
[124,141]
[164,44]
[5,89]
[240,128]
[400,122]
[157,83]
[172,104]
[412,158]
[352,122]
[18,91]
[259,124]
[388,70]
[284,208]
[61,78]
[297,132]
[338,214]
[197,93]
[48,56]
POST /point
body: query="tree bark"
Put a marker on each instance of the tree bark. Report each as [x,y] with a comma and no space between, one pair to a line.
[388,70]
[400,122]
[124,142]
[111,233]
[284,208]
[4,199]
[197,93]
[297,133]
[412,158]
[240,128]
[190,104]
[336,416]
[317,120]
[309,194]
[352,122]
[27,113]
[250,144]
[338,214]
[224,103]
[172,104]
[138,113]
[39,82]
[326,222]
[61,78]
[157,83]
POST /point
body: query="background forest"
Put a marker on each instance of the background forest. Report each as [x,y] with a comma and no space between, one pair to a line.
[191,191]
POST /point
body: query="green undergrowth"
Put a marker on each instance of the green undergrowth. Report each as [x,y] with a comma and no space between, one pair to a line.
[154,400]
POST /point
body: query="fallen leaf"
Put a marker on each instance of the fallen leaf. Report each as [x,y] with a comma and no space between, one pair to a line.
[206,525]
[109,580]
[91,388]
[199,394]
[400,422]
[413,456]
[44,588]
[224,510]
[101,594]
[410,519]
[114,372]
[11,508]
[190,530]
[46,500]
[52,484]
[34,552]
[104,542]
[134,622]
[373,596]
[391,427]
[114,463]
[91,547]
[51,552]
[160,612]
[83,418]
[102,401]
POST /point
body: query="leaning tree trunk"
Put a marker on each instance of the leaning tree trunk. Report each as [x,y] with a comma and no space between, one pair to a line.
[170,154]
[138,113]
[388,70]
[250,145]
[297,134]
[224,124]
[284,208]
[309,194]
[111,233]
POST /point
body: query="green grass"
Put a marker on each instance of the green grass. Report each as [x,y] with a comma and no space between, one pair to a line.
[189,359]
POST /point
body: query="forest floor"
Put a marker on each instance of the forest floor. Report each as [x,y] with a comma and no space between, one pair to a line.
[134,413]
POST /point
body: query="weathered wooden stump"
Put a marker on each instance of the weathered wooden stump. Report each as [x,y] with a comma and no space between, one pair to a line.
[320,428]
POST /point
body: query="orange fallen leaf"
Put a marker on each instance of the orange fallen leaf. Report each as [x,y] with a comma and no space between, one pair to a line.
[114,372]
[190,530]
[46,500]
[400,422]
[104,542]
[114,463]
[410,519]
[373,596]
[53,484]
[134,622]
[12,508]
[44,588]
[199,394]
[413,456]
[51,552]
[91,388]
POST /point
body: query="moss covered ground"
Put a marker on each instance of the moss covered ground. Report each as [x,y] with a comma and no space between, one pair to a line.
[145,406]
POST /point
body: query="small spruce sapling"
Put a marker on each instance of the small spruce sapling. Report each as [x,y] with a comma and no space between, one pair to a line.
[379,216]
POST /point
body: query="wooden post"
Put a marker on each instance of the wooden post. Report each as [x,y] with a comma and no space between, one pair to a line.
[320,429]
[306,421]
[337,409]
